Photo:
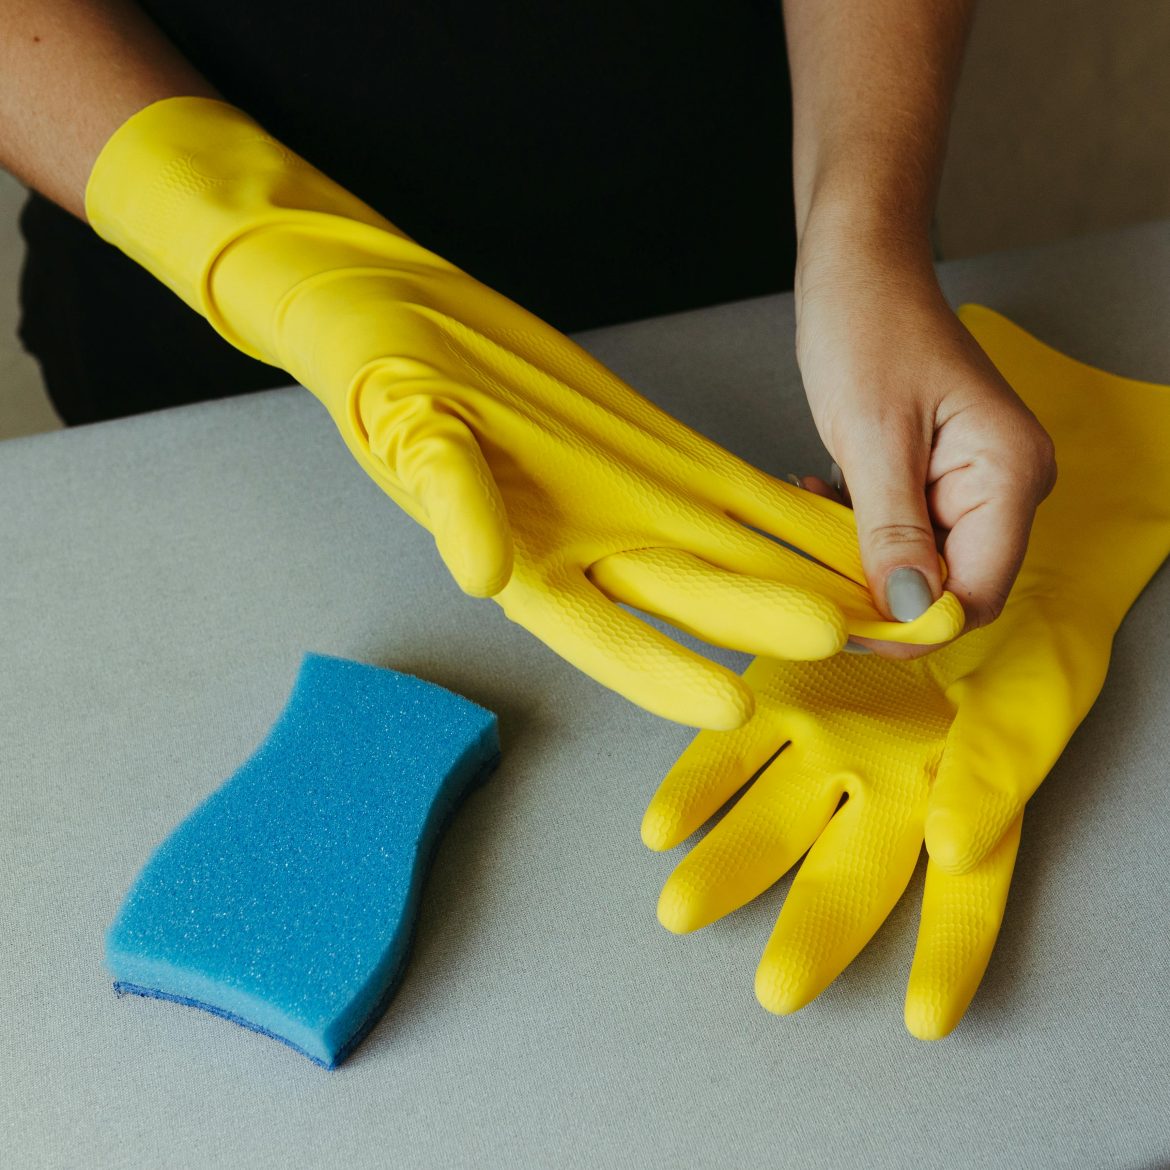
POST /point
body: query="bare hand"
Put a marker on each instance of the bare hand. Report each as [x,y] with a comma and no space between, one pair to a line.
[937,450]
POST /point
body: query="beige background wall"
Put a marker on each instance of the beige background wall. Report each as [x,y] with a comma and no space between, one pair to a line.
[1062,126]
[24,410]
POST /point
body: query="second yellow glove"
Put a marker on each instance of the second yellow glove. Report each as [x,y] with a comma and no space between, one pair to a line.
[945,748]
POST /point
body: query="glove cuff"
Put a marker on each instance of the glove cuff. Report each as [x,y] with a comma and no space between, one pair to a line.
[183,179]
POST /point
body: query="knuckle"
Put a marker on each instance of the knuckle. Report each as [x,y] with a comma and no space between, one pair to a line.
[984,610]
[1044,464]
[899,537]
[1027,457]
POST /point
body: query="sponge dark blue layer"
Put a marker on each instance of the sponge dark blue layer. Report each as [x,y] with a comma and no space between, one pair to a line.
[286,901]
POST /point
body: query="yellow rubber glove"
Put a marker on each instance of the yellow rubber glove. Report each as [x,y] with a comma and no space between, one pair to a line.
[981,720]
[545,480]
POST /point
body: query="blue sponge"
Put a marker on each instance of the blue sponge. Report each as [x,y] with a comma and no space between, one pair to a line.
[286,901]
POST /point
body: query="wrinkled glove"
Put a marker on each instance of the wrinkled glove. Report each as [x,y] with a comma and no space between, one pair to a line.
[948,746]
[547,483]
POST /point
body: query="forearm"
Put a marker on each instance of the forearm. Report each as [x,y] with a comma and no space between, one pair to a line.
[929,437]
[71,72]
[873,82]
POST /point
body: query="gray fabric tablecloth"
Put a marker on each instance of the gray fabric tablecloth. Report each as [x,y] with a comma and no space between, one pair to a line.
[160,579]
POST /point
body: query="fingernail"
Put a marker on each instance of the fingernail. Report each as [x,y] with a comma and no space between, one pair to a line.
[907,594]
[852,647]
[836,479]
[795,480]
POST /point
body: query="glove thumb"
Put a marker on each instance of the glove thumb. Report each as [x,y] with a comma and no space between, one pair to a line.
[423,440]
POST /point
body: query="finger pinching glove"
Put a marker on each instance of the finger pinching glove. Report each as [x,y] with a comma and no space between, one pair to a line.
[876,755]
[546,482]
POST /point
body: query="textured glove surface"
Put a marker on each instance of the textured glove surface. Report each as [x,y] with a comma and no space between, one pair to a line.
[546,481]
[947,747]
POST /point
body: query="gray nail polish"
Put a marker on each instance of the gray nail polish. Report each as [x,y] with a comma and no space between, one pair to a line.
[794,480]
[852,647]
[907,594]
[836,479]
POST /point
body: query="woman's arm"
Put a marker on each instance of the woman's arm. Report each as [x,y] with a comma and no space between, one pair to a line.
[71,72]
[928,436]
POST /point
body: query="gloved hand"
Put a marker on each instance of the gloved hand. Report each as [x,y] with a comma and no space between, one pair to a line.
[547,483]
[967,733]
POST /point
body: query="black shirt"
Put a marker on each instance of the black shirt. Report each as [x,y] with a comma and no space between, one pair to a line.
[595,161]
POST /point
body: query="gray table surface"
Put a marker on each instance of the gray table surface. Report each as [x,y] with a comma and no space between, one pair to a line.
[160,579]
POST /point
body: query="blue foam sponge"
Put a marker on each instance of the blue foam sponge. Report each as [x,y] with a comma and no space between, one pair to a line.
[286,901]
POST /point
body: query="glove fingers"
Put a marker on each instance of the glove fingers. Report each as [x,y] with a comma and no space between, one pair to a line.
[423,441]
[715,766]
[827,531]
[740,551]
[729,609]
[942,622]
[844,890]
[732,545]
[961,917]
[755,844]
[819,527]
[576,620]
